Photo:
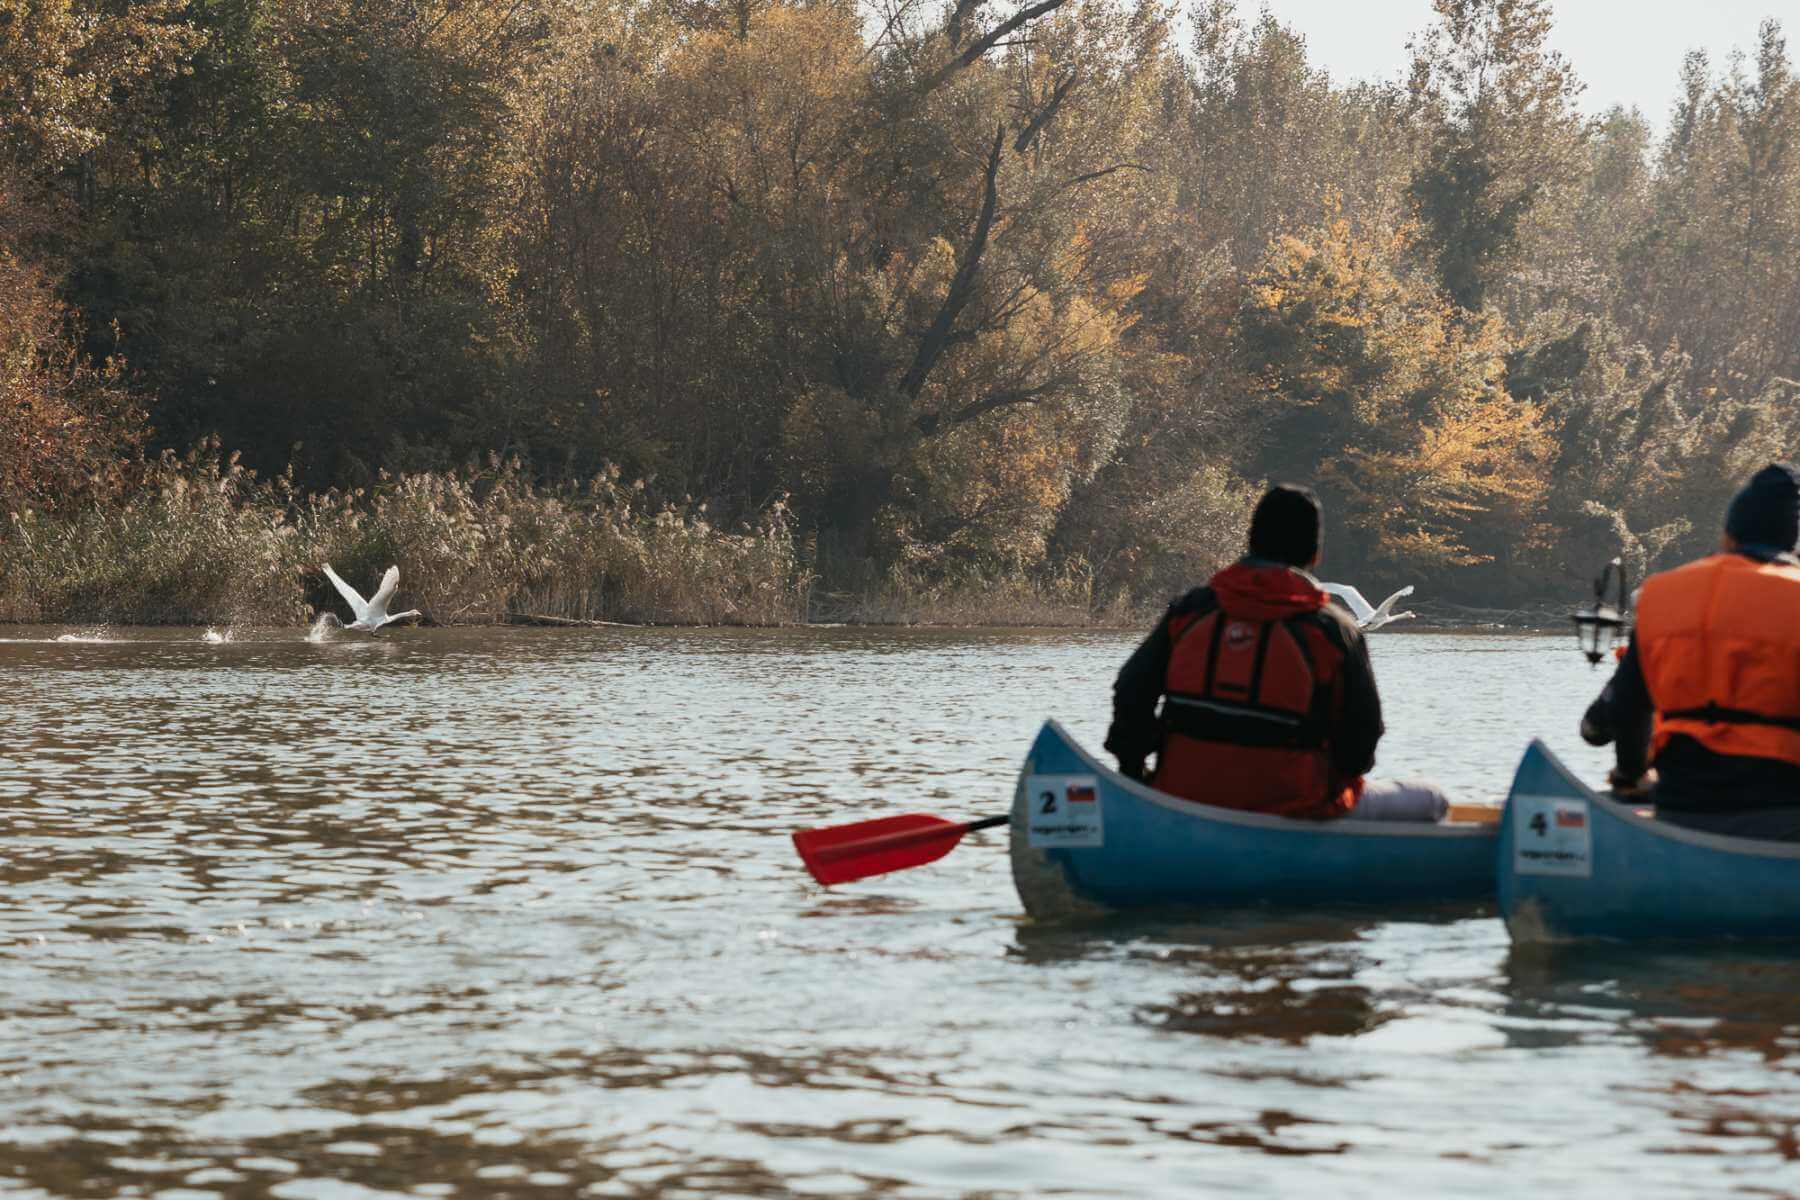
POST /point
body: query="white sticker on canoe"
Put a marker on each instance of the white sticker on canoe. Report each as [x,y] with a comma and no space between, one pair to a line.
[1552,835]
[1062,811]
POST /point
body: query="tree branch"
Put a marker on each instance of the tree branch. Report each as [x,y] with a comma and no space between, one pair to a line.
[953,28]
[985,42]
[930,423]
[1103,173]
[962,287]
[899,13]
[1057,95]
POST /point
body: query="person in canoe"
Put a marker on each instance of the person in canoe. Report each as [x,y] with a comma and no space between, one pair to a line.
[1708,692]
[1268,700]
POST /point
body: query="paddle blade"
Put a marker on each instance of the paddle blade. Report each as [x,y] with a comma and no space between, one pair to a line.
[846,852]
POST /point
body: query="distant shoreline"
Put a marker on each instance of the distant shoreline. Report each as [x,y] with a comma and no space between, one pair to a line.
[1531,621]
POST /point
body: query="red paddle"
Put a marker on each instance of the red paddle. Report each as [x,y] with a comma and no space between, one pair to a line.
[845,852]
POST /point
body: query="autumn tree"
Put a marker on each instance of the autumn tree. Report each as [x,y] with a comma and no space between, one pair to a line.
[1363,379]
[72,81]
[896,281]
[1713,269]
[1504,137]
[301,250]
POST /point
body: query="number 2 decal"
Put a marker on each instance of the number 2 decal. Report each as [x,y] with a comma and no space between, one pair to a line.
[1062,812]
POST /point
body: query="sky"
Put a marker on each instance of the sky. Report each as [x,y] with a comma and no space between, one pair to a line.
[1627,51]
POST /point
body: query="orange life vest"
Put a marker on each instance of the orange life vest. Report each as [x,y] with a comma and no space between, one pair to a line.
[1246,713]
[1719,644]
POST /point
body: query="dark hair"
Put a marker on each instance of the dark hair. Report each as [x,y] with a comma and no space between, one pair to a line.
[1285,526]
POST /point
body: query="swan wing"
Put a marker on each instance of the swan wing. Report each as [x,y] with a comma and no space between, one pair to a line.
[1351,597]
[389,582]
[352,597]
[1388,604]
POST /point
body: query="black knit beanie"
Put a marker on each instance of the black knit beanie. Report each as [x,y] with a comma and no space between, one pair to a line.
[1765,514]
[1285,525]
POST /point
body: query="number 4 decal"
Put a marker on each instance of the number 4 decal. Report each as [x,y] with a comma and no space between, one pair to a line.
[1561,841]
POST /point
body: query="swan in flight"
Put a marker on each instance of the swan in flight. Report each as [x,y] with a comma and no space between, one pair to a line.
[1369,618]
[370,614]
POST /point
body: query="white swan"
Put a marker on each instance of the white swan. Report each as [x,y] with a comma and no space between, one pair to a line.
[1368,618]
[370,614]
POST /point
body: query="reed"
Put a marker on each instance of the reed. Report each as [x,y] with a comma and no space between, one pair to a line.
[1067,600]
[204,541]
[199,541]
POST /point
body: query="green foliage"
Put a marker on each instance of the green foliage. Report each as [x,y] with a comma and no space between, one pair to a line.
[1712,269]
[1504,137]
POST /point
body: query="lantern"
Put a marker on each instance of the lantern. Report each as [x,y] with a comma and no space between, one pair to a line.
[1601,625]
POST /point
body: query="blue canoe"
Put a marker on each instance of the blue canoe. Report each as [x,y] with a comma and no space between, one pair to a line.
[1086,840]
[1575,864]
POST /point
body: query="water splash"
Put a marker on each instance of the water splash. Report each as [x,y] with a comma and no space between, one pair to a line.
[324,628]
[93,633]
[213,637]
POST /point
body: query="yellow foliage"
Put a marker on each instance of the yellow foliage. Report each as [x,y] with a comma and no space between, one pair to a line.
[1421,501]
[1389,395]
[1327,321]
[768,111]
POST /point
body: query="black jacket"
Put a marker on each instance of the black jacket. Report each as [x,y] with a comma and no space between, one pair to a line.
[1690,778]
[1137,732]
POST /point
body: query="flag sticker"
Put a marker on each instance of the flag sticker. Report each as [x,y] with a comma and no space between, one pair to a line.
[1062,812]
[1570,819]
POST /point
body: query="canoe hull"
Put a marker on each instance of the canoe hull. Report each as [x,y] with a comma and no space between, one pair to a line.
[1139,848]
[1576,865]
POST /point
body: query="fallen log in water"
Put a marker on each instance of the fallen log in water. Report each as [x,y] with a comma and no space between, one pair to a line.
[570,622]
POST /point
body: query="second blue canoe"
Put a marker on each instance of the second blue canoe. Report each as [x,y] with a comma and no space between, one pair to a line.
[1576,865]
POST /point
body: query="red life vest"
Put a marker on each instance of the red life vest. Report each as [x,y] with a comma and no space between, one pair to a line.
[1249,699]
[1719,643]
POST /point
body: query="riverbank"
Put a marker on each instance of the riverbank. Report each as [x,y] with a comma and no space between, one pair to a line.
[204,542]
[201,541]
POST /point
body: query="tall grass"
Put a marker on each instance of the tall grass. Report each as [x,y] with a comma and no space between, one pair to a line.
[197,543]
[898,597]
[203,541]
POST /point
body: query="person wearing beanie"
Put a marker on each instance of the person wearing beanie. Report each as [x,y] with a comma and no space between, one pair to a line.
[1267,698]
[1704,709]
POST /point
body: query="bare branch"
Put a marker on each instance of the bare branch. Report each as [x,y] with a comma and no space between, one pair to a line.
[1103,173]
[930,423]
[962,287]
[898,15]
[1057,95]
[953,29]
[986,41]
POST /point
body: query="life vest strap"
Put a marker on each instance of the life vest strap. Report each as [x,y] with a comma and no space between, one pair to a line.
[1716,714]
[1208,720]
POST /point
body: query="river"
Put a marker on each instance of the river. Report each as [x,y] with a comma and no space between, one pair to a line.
[510,912]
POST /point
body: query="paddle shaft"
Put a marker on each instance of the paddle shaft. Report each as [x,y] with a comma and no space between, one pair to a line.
[1478,813]
[894,841]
